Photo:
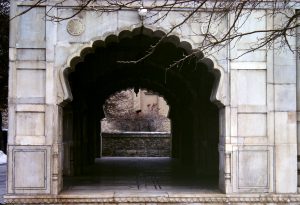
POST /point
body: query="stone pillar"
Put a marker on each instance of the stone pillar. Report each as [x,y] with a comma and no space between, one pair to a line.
[285,119]
[225,151]
[34,142]
[250,147]
[30,139]
[298,100]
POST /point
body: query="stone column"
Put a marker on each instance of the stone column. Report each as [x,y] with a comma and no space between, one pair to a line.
[298,100]
[285,119]
[32,113]
[225,151]
[250,151]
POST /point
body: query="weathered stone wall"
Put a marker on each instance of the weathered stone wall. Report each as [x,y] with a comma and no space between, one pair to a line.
[136,144]
[108,126]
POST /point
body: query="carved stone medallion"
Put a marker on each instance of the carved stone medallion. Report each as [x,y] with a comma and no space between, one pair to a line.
[75,27]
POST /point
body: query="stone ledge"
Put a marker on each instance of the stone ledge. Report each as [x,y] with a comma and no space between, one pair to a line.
[136,134]
[158,199]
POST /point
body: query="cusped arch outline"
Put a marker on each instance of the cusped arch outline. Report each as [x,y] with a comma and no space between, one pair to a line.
[218,95]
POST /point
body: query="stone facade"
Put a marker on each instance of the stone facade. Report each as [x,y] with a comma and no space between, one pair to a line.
[256,96]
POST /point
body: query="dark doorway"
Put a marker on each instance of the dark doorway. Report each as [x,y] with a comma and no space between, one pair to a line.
[186,87]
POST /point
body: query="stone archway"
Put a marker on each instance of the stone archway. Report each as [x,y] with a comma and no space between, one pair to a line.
[189,88]
[219,91]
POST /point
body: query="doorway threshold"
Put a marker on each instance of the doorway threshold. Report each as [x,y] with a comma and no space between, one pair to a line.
[153,197]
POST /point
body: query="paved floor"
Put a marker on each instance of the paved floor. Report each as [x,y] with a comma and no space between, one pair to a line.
[138,174]
[2,181]
[124,175]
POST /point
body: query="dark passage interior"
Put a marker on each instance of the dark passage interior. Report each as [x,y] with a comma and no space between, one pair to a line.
[107,68]
[139,174]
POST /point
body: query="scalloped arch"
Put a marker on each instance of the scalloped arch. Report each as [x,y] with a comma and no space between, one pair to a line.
[218,95]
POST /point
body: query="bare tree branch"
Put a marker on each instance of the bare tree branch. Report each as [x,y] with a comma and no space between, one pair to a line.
[238,12]
[39,2]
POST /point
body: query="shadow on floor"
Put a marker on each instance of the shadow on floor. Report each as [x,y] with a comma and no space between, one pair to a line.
[140,174]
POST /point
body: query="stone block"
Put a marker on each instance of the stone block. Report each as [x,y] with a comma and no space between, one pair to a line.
[109,23]
[255,20]
[285,58]
[285,127]
[30,140]
[233,88]
[173,18]
[34,164]
[30,124]
[248,23]
[285,97]
[270,97]
[251,65]
[31,32]
[253,171]
[234,123]
[31,83]
[31,169]
[30,64]
[258,57]
[252,125]
[248,109]
[31,54]
[126,19]
[285,74]
[61,51]
[251,87]
[286,168]
[271,127]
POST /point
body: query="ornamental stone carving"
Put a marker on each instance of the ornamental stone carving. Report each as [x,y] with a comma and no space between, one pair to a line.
[75,27]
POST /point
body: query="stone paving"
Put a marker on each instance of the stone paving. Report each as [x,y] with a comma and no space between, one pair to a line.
[2,181]
[132,175]
[143,180]
[137,174]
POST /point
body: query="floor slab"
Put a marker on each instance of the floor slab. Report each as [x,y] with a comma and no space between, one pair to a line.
[119,174]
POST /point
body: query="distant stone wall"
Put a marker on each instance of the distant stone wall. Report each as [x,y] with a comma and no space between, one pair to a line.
[136,144]
[109,126]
